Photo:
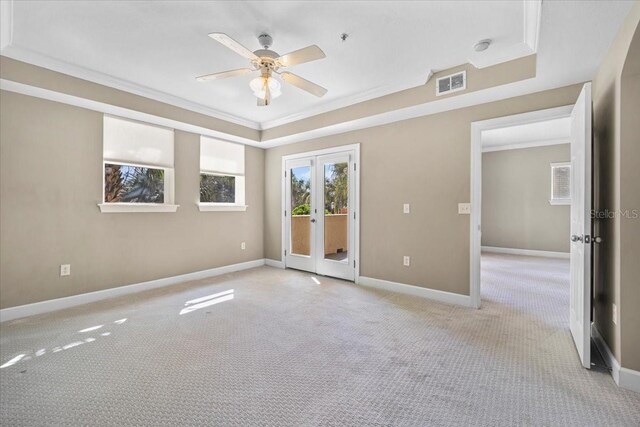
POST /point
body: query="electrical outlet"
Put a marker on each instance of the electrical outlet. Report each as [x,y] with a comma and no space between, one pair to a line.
[406,261]
[406,208]
[464,208]
[615,314]
[243,246]
[65,270]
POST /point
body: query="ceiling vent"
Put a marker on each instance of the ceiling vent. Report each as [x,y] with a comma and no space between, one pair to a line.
[451,83]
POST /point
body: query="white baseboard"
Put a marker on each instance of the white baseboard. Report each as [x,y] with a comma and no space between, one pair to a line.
[433,294]
[606,353]
[624,377]
[527,252]
[274,263]
[12,313]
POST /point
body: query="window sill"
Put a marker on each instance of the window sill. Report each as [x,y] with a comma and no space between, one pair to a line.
[136,207]
[558,202]
[213,207]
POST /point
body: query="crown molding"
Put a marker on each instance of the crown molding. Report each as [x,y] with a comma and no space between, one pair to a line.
[484,96]
[31,57]
[6,23]
[526,144]
[346,101]
[532,13]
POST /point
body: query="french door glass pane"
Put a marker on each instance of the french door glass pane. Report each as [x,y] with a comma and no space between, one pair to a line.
[300,211]
[336,211]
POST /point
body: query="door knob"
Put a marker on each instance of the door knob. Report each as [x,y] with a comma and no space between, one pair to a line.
[576,238]
[597,239]
[313,220]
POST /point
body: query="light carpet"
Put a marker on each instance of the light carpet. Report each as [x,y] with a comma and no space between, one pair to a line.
[272,347]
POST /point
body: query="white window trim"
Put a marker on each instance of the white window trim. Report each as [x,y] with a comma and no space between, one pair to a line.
[168,206]
[221,207]
[558,202]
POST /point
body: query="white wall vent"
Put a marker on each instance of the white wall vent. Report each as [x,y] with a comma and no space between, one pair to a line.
[451,83]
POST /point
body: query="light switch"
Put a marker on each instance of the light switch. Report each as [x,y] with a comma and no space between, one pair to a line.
[243,246]
[464,208]
[406,208]
[406,261]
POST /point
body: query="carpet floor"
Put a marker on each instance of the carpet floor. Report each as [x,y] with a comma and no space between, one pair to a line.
[274,347]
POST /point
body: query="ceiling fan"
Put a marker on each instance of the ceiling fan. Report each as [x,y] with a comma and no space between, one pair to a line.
[268,63]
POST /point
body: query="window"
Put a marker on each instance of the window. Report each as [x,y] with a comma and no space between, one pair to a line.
[560,183]
[221,176]
[137,167]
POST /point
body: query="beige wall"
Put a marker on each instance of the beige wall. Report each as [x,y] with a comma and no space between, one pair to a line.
[477,79]
[32,75]
[616,165]
[50,183]
[424,162]
[516,187]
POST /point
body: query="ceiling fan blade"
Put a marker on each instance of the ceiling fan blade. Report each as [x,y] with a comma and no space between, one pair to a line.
[224,74]
[303,84]
[300,56]
[234,46]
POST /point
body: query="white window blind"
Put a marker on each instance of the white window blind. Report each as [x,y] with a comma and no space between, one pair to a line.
[221,157]
[134,142]
[561,183]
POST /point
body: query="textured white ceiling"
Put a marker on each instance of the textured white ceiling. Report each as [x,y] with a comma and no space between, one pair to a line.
[163,45]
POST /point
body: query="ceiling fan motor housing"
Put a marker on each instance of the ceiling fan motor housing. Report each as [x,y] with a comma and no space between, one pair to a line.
[265,40]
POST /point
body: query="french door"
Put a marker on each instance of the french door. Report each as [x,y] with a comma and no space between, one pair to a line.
[320,214]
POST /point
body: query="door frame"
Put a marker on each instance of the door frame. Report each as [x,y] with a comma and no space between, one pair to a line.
[476,182]
[356,220]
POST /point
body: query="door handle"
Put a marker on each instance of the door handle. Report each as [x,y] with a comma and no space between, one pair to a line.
[313,220]
[576,238]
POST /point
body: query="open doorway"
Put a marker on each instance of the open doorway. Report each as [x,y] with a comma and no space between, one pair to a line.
[536,171]
[526,218]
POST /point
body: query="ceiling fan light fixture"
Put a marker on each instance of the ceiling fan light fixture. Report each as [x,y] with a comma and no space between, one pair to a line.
[257,85]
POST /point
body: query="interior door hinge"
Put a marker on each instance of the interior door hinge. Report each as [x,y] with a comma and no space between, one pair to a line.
[285,213]
[285,174]
[354,166]
[354,215]
[354,263]
[285,252]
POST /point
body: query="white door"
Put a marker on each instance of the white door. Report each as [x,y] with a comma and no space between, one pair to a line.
[580,293]
[320,214]
[299,214]
[334,226]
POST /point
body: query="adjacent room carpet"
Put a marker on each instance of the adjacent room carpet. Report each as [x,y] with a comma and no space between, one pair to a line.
[274,347]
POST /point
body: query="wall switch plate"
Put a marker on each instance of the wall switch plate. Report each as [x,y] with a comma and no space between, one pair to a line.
[406,261]
[406,208]
[464,208]
[65,270]
[243,246]
[615,314]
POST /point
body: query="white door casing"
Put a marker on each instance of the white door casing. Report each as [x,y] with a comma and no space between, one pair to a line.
[315,261]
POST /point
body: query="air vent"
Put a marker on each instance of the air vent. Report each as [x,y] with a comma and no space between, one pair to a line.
[451,83]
